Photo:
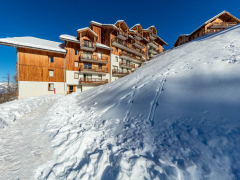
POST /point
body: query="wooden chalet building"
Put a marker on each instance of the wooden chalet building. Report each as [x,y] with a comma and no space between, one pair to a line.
[215,24]
[99,54]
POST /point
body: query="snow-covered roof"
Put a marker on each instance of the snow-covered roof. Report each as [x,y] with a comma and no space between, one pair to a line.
[135,25]
[208,21]
[146,39]
[100,24]
[103,46]
[87,28]
[65,37]
[34,43]
[121,21]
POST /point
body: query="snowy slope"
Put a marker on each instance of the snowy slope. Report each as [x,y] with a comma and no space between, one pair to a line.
[177,117]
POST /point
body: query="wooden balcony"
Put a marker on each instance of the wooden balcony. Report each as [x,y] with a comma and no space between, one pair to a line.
[138,36]
[153,44]
[153,36]
[122,35]
[138,44]
[95,81]
[126,65]
[153,51]
[131,57]
[222,25]
[127,47]
[118,72]
[87,69]
[93,59]
[87,45]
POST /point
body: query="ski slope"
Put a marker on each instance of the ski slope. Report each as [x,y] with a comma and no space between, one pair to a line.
[176,118]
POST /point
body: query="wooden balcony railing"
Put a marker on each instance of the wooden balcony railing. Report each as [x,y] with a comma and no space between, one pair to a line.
[140,35]
[93,69]
[224,23]
[93,81]
[119,71]
[130,46]
[154,42]
[124,53]
[88,44]
[93,57]
[140,43]
[123,34]
[121,63]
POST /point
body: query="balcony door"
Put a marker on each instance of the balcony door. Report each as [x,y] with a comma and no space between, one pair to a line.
[87,65]
[87,55]
[87,77]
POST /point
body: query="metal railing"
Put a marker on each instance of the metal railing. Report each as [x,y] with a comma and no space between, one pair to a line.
[119,71]
[123,53]
[121,63]
[93,81]
[88,44]
[130,46]
[93,69]
[93,57]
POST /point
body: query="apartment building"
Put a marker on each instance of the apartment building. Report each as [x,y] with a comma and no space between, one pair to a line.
[215,24]
[99,54]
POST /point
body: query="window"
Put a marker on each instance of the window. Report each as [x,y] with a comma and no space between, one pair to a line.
[76,63]
[51,73]
[116,59]
[99,77]
[87,66]
[99,56]
[100,66]
[50,87]
[116,49]
[76,75]
[198,35]
[76,52]
[87,55]
[51,59]
[87,76]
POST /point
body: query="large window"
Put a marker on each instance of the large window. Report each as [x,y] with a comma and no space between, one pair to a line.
[76,75]
[51,73]
[50,87]
[116,59]
[87,55]
[51,60]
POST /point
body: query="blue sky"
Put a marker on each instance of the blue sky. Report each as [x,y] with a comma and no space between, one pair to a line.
[49,19]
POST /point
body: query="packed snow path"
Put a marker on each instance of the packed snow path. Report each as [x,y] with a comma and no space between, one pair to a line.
[23,145]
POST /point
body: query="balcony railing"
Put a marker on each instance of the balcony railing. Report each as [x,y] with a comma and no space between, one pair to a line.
[87,45]
[123,53]
[93,58]
[122,35]
[93,69]
[139,36]
[93,81]
[120,72]
[139,44]
[121,63]
[154,51]
[224,24]
[127,45]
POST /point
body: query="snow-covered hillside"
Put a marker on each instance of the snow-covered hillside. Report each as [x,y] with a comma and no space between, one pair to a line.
[177,117]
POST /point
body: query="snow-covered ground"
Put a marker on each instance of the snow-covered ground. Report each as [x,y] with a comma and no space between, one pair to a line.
[177,117]
[13,110]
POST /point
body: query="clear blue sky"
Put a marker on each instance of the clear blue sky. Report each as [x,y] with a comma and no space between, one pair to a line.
[48,19]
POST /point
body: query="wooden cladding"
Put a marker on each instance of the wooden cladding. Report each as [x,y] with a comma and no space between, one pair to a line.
[93,69]
[34,65]
[98,31]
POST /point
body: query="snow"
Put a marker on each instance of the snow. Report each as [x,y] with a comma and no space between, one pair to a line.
[176,117]
[87,28]
[103,46]
[34,43]
[13,110]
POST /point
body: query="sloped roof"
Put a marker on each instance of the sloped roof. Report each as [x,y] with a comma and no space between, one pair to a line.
[87,28]
[34,43]
[66,37]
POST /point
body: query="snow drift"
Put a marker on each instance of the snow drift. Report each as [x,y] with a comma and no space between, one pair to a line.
[177,117]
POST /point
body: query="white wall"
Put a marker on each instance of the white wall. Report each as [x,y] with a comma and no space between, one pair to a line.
[33,88]
[114,63]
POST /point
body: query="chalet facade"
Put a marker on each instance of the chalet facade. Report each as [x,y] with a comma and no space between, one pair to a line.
[99,54]
[215,24]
